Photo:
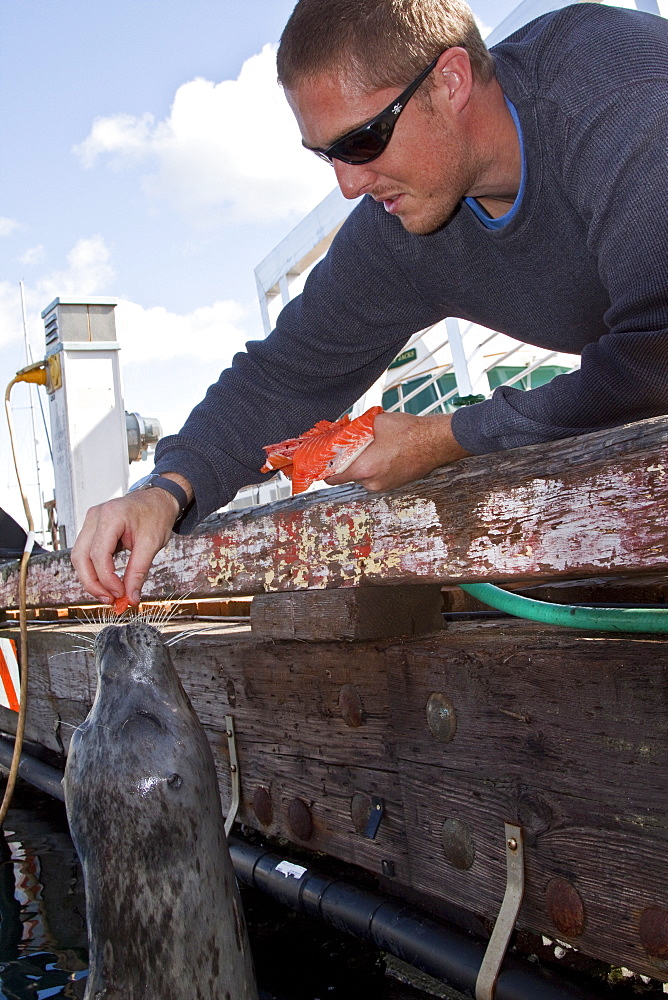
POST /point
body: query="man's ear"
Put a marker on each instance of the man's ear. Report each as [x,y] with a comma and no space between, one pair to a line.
[453,78]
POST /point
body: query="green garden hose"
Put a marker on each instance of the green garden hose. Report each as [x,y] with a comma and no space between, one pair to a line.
[602,619]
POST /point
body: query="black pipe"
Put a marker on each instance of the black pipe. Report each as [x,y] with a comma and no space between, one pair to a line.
[48,779]
[442,951]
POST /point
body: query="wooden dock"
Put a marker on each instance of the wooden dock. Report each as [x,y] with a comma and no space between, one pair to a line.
[371,728]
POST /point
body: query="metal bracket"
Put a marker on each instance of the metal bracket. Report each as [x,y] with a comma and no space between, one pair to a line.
[234,773]
[505,922]
[375,816]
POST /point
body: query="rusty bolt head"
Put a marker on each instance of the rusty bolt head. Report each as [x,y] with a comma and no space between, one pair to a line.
[654,931]
[441,717]
[350,706]
[458,844]
[565,907]
[300,820]
[360,810]
[262,805]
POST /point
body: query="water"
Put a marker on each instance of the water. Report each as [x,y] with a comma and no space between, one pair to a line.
[43,945]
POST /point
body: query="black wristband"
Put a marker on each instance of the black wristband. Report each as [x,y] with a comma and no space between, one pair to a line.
[154,480]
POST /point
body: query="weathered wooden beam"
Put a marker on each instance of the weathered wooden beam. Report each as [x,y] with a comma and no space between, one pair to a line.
[352,613]
[584,507]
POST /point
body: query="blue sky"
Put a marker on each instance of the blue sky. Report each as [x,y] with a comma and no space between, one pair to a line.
[147,155]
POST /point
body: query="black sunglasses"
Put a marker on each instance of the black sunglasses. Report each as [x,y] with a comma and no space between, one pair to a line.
[364,144]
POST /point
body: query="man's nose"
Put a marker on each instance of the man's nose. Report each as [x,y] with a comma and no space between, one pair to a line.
[354,179]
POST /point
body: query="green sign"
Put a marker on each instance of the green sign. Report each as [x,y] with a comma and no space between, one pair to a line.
[404,358]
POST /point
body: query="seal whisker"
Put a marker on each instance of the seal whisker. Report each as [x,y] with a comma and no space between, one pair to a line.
[156,614]
[174,607]
[160,615]
[196,631]
[81,636]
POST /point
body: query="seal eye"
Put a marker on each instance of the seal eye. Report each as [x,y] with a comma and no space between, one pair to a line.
[174,781]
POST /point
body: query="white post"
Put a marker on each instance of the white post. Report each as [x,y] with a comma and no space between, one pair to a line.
[284,289]
[469,368]
[90,446]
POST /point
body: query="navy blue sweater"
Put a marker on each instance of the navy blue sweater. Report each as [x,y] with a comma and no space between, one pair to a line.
[582,267]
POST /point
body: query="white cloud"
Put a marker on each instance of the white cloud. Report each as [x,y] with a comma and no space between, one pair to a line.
[483,28]
[8,226]
[211,333]
[89,272]
[11,327]
[227,152]
[33,255]
[125,135]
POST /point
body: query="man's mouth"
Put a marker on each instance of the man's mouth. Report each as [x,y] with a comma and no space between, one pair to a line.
[392,204]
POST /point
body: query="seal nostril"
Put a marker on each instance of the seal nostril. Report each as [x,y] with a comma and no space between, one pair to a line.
[174,781]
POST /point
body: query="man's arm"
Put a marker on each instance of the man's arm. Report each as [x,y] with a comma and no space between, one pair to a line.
[141,522]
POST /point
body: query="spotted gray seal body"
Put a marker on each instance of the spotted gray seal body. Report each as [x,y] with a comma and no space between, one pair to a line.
[163,908]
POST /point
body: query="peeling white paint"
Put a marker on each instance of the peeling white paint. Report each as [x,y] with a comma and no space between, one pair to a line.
[594,531]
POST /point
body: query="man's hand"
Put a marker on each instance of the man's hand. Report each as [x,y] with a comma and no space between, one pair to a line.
[141,522]
[405,448]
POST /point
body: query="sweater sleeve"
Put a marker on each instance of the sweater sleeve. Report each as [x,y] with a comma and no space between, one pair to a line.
[614,169]
[330,344]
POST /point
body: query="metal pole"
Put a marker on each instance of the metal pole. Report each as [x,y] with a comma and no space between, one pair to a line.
[29,360]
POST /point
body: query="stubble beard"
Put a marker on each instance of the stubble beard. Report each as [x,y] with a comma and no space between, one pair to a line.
[433,218]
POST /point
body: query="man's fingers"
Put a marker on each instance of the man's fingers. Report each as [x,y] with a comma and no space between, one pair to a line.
[85,570]
[84,563]
[357,471]
[154,518]
[102,549]
[138,566]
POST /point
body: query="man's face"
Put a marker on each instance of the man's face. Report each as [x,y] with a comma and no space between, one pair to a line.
[423,172]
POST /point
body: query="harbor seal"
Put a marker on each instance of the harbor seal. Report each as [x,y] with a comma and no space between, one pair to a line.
[164,914]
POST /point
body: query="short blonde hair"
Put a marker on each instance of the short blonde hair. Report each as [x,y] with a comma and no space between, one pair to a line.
[377,43]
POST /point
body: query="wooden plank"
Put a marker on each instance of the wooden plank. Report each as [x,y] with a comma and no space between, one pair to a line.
[590,506]
[612,868]
[326,797]
[565,733]
[582,713]
[354,613]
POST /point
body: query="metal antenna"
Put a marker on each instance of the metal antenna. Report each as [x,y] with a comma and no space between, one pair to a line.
[29,361]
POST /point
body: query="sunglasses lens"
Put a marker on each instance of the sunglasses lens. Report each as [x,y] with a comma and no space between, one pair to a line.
[364,145]
[360,148]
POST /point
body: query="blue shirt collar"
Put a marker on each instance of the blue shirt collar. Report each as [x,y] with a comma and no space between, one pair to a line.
[503,220]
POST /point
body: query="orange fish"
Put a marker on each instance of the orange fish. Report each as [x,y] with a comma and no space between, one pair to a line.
[121,604]
[325,450]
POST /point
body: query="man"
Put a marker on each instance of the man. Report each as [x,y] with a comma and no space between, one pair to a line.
[523,190]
